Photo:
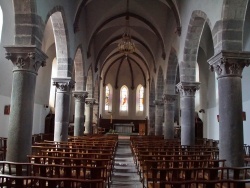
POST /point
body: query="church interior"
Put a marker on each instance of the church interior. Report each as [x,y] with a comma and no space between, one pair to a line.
[152,86]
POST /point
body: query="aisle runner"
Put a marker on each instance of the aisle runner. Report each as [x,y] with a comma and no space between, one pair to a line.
[125,173]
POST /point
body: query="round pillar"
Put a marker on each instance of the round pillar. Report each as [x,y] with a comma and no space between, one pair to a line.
[89,115]
[159,114]
[80,97]
[62,107]
[26,61]
[187,105]
[168,127]
[229,66]
[151,125]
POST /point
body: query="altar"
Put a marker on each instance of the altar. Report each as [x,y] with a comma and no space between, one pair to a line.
[124,127]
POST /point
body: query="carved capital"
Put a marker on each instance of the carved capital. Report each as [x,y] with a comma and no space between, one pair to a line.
[188,89]
[168,98]
[80,95]
[26,58]
[63,84]
[90,102]
[158,102]
[229,63]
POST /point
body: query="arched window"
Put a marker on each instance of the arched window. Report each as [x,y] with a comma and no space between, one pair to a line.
[124,99]
[108,98]
[140,98]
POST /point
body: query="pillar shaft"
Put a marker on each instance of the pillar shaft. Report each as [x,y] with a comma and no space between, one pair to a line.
[80,97]
[27,61]
[229,66]
[151,124]
[62,109]
[187,104]
[159,114]
[89,115]
[168,127]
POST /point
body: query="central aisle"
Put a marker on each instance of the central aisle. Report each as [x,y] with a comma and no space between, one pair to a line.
[125,173]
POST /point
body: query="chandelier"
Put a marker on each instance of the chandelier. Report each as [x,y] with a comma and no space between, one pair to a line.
[126,45]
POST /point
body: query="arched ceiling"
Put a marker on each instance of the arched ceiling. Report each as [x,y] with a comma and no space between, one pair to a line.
[149,21]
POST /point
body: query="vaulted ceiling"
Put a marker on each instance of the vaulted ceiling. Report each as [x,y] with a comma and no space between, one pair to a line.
[103,22]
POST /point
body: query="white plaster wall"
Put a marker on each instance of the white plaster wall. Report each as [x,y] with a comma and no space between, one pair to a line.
[4,123]
[246,124]
[246,103]
[40,112]
[7,38]
[246,79]
[212,123]
[6,66]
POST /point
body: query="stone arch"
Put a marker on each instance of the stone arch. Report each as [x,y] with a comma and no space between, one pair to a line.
[171,72]
[26,16]
[196,24]
[160,84]
[151,126]
[229,31]
[58,20]
[89,83]
[79,70]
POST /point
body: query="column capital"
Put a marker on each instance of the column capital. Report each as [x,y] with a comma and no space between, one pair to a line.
[229,63]
[90,101]
[169,98]
[188,89]
[158,102]
[63,84]
[26,58]
[80,95]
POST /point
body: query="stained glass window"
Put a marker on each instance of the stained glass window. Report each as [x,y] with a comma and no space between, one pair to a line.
[141,98]
[108,98]
[124,99]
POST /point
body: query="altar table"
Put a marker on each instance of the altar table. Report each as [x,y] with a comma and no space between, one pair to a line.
[124,128]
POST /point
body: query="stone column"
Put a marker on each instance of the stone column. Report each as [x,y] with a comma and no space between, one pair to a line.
[229,66]
[159,114]
[80,97]
[151,125]
[62,107]
[187,104]
[89,115]
[169,103]
[26,61]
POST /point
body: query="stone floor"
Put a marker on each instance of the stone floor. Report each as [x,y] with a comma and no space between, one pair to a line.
[125,173]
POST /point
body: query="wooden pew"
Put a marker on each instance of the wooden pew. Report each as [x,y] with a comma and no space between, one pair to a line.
[45,182]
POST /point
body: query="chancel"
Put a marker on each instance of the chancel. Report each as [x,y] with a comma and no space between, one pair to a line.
[105,93]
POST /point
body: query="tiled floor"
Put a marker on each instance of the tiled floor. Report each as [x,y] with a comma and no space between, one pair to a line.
[125,173]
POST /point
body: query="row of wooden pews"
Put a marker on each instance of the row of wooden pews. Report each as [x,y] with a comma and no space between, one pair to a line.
[166,163]
[81,162]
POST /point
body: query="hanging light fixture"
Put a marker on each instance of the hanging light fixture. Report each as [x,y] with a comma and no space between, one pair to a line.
[126,45]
